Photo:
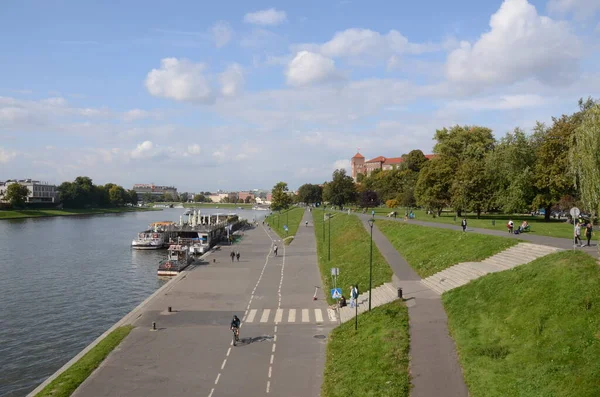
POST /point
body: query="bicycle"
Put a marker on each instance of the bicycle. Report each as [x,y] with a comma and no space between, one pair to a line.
[236,335]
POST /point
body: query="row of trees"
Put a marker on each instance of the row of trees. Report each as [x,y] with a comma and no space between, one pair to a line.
[82,193]
[553,168]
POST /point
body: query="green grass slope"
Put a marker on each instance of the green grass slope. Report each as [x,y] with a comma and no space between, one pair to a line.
[350,244]
[372,361]
[533,331]
[430,250]
[293,216]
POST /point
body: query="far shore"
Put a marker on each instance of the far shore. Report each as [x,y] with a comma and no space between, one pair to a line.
[40,213]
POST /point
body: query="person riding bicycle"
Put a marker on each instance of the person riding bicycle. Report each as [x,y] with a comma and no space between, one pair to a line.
[235,324]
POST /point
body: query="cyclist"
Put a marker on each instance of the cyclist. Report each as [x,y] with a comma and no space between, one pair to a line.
[235,325]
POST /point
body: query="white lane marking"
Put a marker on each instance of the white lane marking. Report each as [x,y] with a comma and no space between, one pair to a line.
[275,329]
[265,315]
[268,386]
[211,392]
[217,380]
[251,315]
[273,350]
[278,316]
[305,315]
[228,352]
[223,365]
[331,315]
[270,371]
[272,358]
[318,316]
[292,316]
[275,338]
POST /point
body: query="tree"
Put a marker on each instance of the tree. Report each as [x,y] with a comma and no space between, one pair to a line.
[248,199]
[585,158]
[433,185]
[392,203]
[280,199]
[168,197]
[116,195]
[199,198]
[183,197]
[368,199]
[133,197]
[16,194]
[341,189]
[310,194]
[147,197]
[415,160]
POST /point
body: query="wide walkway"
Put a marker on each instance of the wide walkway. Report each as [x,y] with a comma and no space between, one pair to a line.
[282,350]
[434,363]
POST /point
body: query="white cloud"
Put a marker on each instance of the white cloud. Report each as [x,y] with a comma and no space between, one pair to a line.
[181,80]
[194,149]
[143,150]
[520,45]
[502,102]
[266,17]
[310,68]
[135,114]
[580,8]
[342,164]
[232,80]
[6,155]
[222,33]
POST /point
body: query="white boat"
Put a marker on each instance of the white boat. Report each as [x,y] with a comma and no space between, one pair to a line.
[202,245]
[187,212]
[177,260]
[148,240]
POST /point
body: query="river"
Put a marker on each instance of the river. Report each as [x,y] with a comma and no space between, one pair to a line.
[66,280]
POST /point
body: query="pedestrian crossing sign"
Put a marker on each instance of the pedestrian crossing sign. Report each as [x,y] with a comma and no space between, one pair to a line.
[336,293]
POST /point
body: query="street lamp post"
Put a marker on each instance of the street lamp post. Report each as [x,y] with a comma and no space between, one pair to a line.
[329,238]
[371,222]
[323,224]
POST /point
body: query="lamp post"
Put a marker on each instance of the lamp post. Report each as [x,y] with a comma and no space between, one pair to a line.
[371,222]
[329,238]
[323,224]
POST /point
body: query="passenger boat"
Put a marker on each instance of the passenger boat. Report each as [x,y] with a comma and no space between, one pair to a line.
[152,238]
[178,258]
[202,244]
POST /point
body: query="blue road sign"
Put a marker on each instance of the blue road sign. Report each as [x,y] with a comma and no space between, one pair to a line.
[285,228]
[336,293]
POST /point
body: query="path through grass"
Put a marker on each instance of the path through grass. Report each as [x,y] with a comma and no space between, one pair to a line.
[291,218]
[430,250]
[533,331]
[372,361]
[349,252]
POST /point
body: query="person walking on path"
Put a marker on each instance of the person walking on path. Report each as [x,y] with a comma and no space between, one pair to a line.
[275,249]
[232,256]
[578,235]
[588,233]
[352,294]
[464,224]
[510,226]
[237,255]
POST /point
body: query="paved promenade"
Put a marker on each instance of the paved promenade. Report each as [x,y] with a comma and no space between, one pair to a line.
[434,363]
[191,353]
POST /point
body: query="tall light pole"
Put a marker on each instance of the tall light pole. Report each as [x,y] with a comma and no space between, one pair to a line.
[323,223]
[329,243]
[371,222]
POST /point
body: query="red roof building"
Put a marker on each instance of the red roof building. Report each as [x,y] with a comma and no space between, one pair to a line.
[360,166]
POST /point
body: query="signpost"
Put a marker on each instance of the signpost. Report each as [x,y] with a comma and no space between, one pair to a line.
[574,215]
[285,227]
[336,293]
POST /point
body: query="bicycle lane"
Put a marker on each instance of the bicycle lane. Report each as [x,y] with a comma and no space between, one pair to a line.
[248,366]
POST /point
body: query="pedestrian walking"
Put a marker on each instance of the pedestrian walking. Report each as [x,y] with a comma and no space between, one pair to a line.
[588,233]
[352,298]
[275,249]
[578,235]
[464,224]
[306,223]
[232,256]
[237,255]
[510,225]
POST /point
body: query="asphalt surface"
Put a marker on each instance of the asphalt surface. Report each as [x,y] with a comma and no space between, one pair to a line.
[190,353]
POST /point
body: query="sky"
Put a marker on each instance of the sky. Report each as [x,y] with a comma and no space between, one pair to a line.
[238,95]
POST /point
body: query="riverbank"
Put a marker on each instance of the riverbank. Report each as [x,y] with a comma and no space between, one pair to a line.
[41,213]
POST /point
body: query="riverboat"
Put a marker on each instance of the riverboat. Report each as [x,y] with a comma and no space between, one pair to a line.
[178,258]
[152,238]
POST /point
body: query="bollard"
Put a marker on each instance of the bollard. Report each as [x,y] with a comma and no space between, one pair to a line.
[454,218]
[153,326]
[493,222]
[400,293]
[170,309]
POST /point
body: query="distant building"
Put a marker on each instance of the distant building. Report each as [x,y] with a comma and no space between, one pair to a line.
[154,190]
[39,192]
[245,195]
[360,166]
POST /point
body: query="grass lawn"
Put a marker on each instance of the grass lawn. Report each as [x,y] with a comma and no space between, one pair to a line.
[66,383]
[372,361]
[533,331]
[553,228]
[350,243]
[291,217]
[16,214]
[429,250]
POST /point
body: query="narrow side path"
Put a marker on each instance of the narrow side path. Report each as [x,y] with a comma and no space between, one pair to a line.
[434,363]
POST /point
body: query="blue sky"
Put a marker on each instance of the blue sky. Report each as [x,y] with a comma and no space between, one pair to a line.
[237,95]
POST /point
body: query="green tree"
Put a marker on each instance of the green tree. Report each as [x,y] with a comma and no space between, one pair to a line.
[585,159]
[199,198]
[147,197]
[414,160]
[432,190]
[368,199]
[280,199]
[132,197]
[117,195]
[183,197]
[16,195]
[310,193]
[248,199]
[341,189]
[168,197]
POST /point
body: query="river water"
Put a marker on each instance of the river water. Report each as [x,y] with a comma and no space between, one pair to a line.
[66,280]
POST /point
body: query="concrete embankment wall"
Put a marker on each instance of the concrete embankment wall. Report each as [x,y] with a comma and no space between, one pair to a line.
[127,319]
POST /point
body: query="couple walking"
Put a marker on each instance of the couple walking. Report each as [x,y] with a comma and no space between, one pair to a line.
[588,234]
[235,255]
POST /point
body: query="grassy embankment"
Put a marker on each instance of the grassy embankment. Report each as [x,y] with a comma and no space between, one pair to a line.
[374,360]
[66,383]
[350,243]
[430,250]
[293,216]
[553,228]
[17,214]
[533,331]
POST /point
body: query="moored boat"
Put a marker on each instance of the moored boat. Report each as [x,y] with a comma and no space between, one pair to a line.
[178,258]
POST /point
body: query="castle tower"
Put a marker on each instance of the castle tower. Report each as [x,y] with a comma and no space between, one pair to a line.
[358,165]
